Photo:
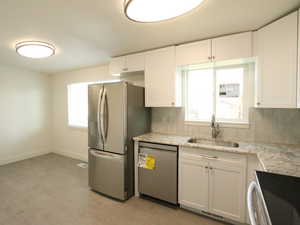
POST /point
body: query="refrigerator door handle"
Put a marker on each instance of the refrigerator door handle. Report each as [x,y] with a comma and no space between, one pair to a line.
[105,154]
[102,113]
[106,116]
[99,114]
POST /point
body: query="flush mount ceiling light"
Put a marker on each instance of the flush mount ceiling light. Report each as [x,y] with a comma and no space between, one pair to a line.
[35,49]
[157,10]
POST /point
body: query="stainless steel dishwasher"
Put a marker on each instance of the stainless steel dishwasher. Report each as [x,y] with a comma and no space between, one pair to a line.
[160,182]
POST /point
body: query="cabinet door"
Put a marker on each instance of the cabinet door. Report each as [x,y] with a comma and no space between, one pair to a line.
[160,78]
[277,63]
[193,184]
[227,183]
[135,62]
[235,46]
[117,65]
[193,53]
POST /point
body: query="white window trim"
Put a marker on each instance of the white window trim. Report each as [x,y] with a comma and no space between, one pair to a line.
[245,125]
[248,96]
[79,128]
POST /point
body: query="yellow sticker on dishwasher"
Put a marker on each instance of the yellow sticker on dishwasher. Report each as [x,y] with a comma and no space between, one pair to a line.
[146,161]
[150,163]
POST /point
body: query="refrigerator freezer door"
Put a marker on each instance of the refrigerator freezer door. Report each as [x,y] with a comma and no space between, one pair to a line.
[114,117]
[94,101]
[107,173]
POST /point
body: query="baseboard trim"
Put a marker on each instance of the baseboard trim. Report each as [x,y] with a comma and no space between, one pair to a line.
[21,157]
[73,155]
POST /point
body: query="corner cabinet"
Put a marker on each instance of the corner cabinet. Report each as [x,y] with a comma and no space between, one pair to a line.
[213,183]
[276,50]
[162,83]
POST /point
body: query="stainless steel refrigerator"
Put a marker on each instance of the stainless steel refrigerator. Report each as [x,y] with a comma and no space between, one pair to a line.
[116,114]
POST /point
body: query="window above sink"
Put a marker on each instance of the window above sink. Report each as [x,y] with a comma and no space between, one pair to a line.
[225,91]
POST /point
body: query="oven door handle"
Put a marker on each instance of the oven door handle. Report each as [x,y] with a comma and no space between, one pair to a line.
[252,187]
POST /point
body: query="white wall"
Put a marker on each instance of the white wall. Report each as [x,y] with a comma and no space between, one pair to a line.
[25,114]
[70,141]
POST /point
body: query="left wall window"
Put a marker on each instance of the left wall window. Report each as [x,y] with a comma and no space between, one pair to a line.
[78,105]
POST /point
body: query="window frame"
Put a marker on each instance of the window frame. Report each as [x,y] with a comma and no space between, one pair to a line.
[69,107]
[79,127]
[248,94]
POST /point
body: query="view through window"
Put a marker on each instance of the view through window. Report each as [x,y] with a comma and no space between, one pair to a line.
[78,103]
[220,91]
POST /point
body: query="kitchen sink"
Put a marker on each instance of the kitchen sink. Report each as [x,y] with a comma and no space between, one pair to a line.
[214,142]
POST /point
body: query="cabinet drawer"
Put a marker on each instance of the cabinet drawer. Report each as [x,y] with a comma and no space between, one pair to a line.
[187,153]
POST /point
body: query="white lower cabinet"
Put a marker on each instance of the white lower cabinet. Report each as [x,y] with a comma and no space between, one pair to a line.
[227,190]
[213,182]
[193,192]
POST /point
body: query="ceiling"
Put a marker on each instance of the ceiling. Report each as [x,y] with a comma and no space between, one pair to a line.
[89,32]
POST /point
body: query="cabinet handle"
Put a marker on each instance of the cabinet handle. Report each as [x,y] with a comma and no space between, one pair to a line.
[172,103]
[213,57]
[208,157]
[209,57]
[125,69]
[258,103]
[206,169]
[212,171]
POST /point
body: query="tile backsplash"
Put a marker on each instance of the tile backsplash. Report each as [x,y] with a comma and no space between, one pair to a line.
[266,126]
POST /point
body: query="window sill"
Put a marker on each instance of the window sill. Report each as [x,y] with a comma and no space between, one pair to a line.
[79,128]
[222,124]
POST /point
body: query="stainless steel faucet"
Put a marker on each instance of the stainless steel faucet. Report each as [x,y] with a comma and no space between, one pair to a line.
[215,128]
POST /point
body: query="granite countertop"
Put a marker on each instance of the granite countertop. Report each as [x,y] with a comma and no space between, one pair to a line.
[275,158]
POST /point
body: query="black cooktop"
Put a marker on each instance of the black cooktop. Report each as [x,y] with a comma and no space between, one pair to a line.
[282,197]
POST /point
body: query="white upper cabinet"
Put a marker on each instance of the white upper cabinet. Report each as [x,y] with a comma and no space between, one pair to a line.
[117,65]
[161,85]
[234,46]
[193,53]
[129,63]
[276,48]
[135,62]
